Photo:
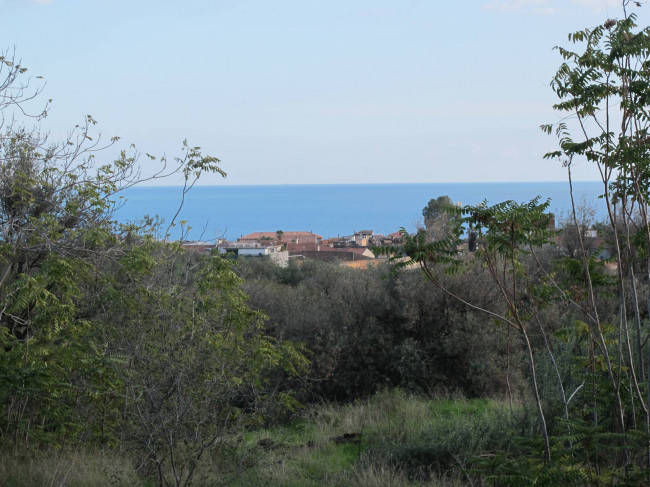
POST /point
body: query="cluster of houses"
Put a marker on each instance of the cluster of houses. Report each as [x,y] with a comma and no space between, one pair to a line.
[355,250]
[280,247]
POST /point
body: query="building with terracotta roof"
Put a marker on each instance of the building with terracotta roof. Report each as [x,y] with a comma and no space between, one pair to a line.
[396,237]
[305,246]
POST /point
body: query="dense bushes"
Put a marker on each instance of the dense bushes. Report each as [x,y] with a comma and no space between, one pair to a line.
[370,329]
[109,336]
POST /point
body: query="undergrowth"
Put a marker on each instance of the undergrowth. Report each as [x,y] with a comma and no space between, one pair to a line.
[392,438]
[68,468]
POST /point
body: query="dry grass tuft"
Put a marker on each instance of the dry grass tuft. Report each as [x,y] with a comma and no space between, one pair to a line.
[65,468]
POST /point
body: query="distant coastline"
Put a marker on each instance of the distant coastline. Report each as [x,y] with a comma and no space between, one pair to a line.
[330,209]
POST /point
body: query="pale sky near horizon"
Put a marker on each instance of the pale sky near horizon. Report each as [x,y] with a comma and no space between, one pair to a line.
[308,92]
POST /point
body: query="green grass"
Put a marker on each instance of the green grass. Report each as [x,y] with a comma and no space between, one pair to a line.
[405,441]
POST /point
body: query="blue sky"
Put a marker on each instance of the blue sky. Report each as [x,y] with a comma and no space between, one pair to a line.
[303,92]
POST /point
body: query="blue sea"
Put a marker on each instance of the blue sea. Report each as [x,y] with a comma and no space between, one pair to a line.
[330,210]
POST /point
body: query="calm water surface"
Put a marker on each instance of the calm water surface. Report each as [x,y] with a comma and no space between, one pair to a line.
[329,209]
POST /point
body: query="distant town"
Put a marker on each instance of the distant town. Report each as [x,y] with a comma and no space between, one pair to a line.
[281,247]
[355,250]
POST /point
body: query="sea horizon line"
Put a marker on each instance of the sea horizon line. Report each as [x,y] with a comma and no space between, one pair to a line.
[362,184]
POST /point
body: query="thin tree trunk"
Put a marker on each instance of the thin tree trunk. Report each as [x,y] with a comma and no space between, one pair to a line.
[538,399]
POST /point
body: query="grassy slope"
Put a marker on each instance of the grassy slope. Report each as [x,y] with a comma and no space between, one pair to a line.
[399,440]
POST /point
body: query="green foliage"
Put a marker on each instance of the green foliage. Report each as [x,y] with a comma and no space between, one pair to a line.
[582,455]
[603,93]
[436,207]
[438,220]
[52,366]
[603,88]
[193,358]
[109,337]
[505,231]
[509,228]
[450,441]
[404,440]
[369,329]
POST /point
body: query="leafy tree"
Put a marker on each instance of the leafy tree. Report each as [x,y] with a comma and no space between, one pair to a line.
[104,335]
[436,208]
[603,90]
[437,220]
[192,358]
[604,96]
[505,232]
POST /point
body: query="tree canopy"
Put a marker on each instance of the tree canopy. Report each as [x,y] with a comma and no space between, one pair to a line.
[109,335]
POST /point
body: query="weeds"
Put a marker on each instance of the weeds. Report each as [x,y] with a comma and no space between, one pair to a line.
[58,469]
[391,439]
